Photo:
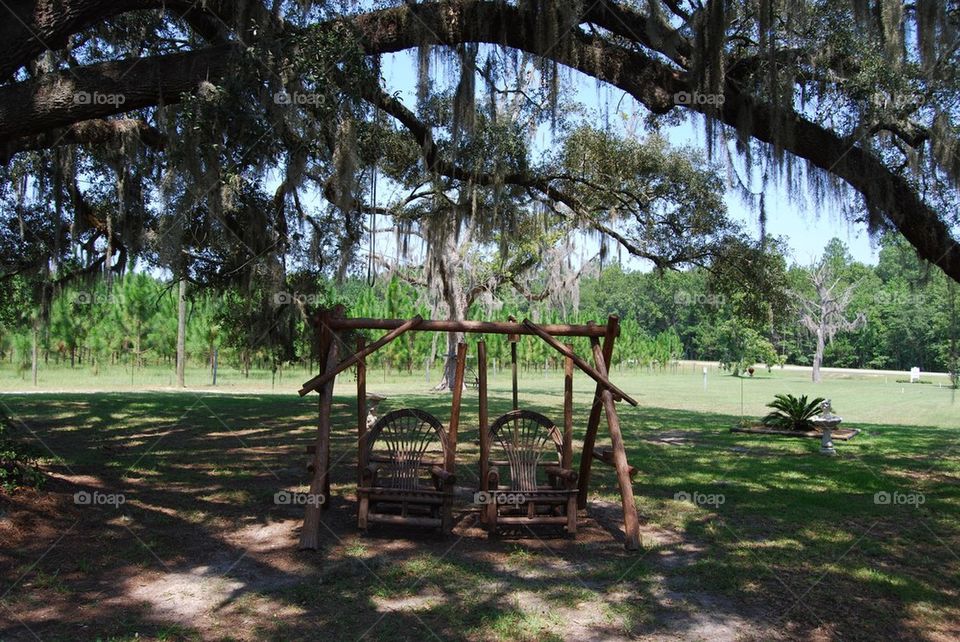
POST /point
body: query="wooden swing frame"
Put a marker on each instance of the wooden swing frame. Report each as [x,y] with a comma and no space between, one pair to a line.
[330,323]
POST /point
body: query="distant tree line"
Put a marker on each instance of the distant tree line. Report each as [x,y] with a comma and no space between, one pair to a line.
[910,317]
[910,312]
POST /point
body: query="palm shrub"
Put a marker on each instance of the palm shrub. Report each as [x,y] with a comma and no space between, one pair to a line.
[792,413]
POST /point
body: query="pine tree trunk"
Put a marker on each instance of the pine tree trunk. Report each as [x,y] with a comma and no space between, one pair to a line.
[181,333]
[138,360]
[35,348]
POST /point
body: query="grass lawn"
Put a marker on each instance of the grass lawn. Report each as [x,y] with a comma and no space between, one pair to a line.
[783,543]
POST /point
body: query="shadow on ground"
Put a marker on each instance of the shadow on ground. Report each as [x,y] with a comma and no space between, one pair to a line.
[797,548]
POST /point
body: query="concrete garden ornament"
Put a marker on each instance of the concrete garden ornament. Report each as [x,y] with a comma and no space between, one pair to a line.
[826,422]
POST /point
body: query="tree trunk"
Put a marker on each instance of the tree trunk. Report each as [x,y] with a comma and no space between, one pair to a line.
[39,105]
[137,344]
[455,300]
[181,333]
[450,363]
[34,349]
[818,356]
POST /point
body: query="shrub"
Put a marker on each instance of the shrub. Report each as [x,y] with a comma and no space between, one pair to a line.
[792,413]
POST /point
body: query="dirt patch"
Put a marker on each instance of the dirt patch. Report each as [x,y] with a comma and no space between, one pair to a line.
[244,573]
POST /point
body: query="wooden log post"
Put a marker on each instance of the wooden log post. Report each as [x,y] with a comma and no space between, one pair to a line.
[593,423]
[484,418]
[310,535]
[514,339]
[566,456]
[361,411]
[450,463]
[631,523]
[451,460]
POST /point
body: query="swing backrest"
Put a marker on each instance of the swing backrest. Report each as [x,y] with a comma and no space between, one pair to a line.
[406,443]
[524,441]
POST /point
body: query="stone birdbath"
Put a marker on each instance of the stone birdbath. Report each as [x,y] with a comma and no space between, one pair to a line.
[827,422]
[373,400]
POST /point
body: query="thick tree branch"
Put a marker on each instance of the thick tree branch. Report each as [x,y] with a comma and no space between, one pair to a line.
[655,84]
[61,99]
[88,132]
[34,107]
[30,27]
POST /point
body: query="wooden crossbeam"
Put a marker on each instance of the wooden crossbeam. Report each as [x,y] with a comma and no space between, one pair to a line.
[324,377]
[476,327]
[594,374]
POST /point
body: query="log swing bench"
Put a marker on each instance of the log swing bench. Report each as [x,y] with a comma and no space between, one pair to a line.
[406,459]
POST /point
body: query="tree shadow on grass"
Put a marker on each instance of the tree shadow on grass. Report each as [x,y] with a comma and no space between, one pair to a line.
[803,536]
[174,550]
[200,521]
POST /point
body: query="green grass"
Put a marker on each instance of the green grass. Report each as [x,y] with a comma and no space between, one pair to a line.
[123,377]
[869,398]
[798,540]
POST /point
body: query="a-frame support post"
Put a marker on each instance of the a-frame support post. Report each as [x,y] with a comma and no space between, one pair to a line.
[593,423]
[514,339]
[320,484]
[484,416]
[631,523]
[453,428]
[361,410]
[566,456]
[580,363]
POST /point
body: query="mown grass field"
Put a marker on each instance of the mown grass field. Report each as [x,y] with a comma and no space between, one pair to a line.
[794,545]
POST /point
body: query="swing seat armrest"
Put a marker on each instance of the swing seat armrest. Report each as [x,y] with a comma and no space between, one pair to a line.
[441,474]
[493,478]
[563,473]
[370,472]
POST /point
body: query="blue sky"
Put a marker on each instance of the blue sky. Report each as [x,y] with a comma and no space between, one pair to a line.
[808,225]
